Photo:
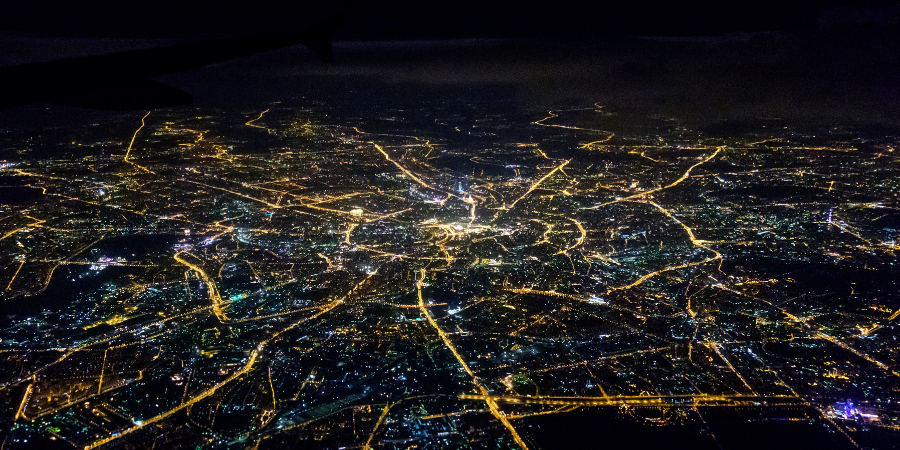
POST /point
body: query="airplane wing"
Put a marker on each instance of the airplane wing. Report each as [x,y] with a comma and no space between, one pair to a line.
[122,81]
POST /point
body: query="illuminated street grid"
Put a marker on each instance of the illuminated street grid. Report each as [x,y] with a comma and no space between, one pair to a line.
[280,276]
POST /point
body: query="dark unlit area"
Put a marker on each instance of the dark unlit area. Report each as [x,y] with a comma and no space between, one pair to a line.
[842,76]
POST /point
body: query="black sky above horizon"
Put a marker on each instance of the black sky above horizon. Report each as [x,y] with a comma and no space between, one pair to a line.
[426,20]
[828,60]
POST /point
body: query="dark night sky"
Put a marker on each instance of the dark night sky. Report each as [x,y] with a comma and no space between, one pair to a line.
[421,20]
[822,60]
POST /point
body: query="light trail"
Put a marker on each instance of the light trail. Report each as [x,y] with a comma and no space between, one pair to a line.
[249,123]
[715,348]
[59,263]
[818,335]
[846,229]
[643,155]
[37,223]
[385,216]
[102,369]
[327,260]
[895,315]
[440,243]
[384,413]
[545,238]
[368,216]
[604,258]
[694,241]
[538,183]
[331,199]
[646,277]
[583,300]
[690,232]
[686,400]
[272,389]
[549,293]
[452,414]
[862,355]
[485,395]
[580,238]
[589,145]
[600,359]
[561,409]
[94,263]
[254,355]
[90,342]
[269,316]
[472,204]
[201,396]
[407,172]
[12,233]
[334,211]
[20,413]
[683,177]
[269,204]
[551,115]
[210,286]
[790,316]
[22,263]
[255,274]
[379,253]
[130,144]
[35,372]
